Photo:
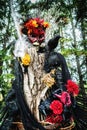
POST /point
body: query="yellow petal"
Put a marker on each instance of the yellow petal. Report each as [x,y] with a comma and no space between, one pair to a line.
[26,60]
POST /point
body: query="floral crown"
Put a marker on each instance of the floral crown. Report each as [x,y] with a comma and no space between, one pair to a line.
[34,24]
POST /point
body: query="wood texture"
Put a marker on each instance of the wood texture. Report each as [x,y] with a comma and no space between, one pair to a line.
[34,89]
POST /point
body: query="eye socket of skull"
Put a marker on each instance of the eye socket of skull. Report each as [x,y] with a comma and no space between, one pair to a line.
[36,37]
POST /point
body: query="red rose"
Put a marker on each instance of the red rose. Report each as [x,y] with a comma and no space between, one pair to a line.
[54,118]
[65,98]
[56,106]
[72,88]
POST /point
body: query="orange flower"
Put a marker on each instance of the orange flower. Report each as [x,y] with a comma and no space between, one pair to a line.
[26,60]
[29,31]
[31,23]
[45,24]
[36,26]
[34,23]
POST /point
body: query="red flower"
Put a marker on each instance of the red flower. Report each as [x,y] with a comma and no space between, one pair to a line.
[56,106]
[39,21]
[32,23]
[54,118]
[72,88]
[65,98]
[36,23]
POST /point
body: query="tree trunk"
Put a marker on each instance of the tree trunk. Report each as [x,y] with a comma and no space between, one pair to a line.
[76,56]
[84,43]
[34,89]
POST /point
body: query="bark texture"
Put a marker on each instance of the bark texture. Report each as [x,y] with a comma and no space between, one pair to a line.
[34,89]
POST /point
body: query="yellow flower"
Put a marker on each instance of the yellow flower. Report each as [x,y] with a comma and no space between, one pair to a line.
[26,60]
[31,23]
[34,23]
[46,24]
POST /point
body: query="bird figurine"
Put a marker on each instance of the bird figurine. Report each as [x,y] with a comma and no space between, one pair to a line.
[52,43]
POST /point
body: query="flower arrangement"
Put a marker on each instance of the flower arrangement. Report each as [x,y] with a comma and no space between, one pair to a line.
[36,25]
[35,28]
[58,107]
